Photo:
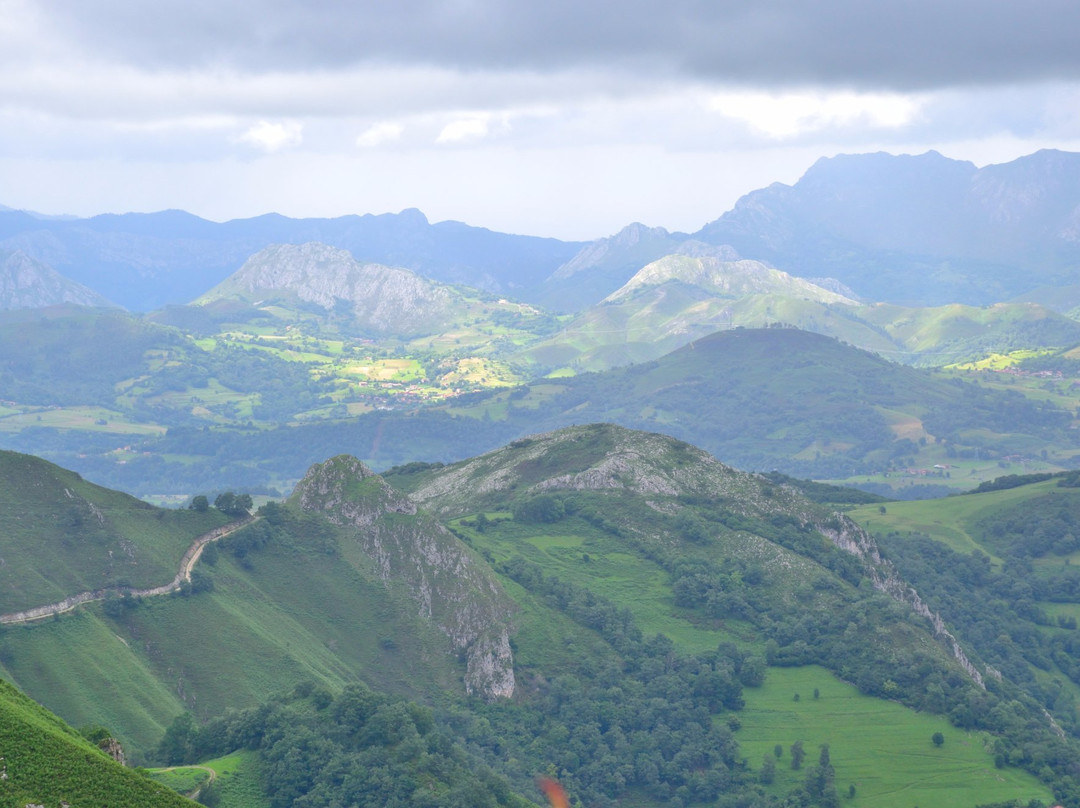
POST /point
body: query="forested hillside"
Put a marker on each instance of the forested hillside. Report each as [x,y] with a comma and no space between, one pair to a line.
[656,602]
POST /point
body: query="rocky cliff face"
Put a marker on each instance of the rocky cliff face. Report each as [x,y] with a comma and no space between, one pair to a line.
[384,299]
[29,284]
[726,278]
[449,586]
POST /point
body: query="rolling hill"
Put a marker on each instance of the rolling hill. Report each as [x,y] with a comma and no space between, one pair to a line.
[654,601]
[682,297]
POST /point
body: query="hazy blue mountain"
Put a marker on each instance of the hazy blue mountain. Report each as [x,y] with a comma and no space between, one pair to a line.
[146,260]
[602,266]
[29,284]
[918,230]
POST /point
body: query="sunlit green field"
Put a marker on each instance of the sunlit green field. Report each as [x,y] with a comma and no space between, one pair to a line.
[882,748]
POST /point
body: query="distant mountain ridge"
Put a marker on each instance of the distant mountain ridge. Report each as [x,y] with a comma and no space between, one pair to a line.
[146,260]
[918,230]
[911,230]
[26,283]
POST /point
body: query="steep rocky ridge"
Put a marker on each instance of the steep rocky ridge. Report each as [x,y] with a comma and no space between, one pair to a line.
[380,298]
[918,229]
[449,586]
[26,283]
[590,457]
[664,471]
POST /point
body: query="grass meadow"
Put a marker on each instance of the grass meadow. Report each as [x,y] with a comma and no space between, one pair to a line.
[862,732]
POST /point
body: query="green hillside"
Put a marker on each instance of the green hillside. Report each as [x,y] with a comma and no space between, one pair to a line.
[45,762]
[678,299]
[761,399]
[641,591]
[64,535]
[808,405]
[256,632]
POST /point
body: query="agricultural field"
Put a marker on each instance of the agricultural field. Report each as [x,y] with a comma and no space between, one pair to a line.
[881,748]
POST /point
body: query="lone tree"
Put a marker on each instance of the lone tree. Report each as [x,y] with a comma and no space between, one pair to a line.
[797,755]
[200,504]
[937,738]
[768,770]
[233,504]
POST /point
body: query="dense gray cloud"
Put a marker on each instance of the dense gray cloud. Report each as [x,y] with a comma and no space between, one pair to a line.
[604,112]
[897,44]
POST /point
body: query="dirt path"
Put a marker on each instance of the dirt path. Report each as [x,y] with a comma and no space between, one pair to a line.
[187,563]
[194,795]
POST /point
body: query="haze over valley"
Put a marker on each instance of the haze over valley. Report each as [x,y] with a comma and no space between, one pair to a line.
[491,405]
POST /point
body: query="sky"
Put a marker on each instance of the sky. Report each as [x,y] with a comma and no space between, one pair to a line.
[560,118]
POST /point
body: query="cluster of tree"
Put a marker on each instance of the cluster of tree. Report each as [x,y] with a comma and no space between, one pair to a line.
[976,407]
[997,614]
[644,725]
[229,503]
[357,748]
[1035,527]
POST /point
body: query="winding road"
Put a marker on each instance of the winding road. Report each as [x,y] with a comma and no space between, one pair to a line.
[187,563]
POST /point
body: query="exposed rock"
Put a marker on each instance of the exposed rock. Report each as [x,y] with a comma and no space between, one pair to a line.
[112,748]
[26,283]
[594,457]
[449,586]
[725,278]
[851,538]
[383,299]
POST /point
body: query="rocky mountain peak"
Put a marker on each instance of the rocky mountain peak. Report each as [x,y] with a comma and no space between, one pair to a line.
[409,549]
[383,299]
[26,283]
[725,278]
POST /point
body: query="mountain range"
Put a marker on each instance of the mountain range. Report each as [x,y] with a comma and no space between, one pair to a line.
[909,230]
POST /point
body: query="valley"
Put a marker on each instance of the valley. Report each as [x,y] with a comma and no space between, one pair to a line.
[378,512]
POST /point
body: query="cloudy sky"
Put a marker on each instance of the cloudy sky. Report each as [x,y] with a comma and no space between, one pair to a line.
[559,118]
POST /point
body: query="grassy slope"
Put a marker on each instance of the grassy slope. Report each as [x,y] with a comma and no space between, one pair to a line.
[880,747]
[953,520]
[63,535]
[46,762]
[799,402]
[300,612]
[236,782]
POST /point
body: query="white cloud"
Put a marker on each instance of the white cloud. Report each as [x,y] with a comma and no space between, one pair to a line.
[463,129]
[272,137]
[379,133]
[790,114]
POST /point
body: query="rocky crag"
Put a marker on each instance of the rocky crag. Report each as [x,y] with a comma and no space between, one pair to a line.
[407,547]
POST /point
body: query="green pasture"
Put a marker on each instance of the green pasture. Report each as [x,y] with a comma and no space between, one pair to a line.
[238,782]
[949,520]
[181,779]
[612,570]
[963,473]
[882,748]
[87,419]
